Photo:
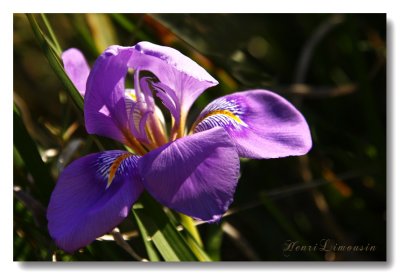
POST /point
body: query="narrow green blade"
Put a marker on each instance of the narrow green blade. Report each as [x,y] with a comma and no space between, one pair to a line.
[141,220]
[158,228]
[54,60]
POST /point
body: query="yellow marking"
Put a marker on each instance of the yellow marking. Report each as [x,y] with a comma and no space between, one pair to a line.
[218,112]
[132,142]
[225,113]
[114,167]
[133,96]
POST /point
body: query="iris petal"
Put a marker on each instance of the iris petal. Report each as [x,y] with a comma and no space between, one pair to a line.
[92,196]
[105,105]
[181,74]
[77,68]
[170,101]
[261,123]
[195,175]
[179,81]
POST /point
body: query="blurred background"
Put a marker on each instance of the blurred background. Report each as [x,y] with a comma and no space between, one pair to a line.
[331,66]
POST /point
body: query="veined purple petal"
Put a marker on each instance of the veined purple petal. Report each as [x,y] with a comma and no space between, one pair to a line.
[181,74]
[92,196]
[139,117]
[142,88]
[170,100]
[195,175]
[77,68]
[262,124]
[104,105]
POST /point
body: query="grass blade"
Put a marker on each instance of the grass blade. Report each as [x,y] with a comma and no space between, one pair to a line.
[141,220]
[159,228]
[55,62]
[52,35]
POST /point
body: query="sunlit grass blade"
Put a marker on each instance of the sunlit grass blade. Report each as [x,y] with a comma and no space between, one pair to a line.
[84,35]
[190,233]
[189,225]
[55,61]
[188,229]
[102,31]
[141,220]
[198,251]
[161,231]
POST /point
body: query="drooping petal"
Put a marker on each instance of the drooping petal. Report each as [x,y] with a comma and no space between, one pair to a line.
[77,68]
[92,196]
[170,101]
[104,106]
[143,90]
[180,73]
[262,124]
[195,175]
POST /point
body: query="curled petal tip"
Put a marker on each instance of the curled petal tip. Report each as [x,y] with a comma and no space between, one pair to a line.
[174,69]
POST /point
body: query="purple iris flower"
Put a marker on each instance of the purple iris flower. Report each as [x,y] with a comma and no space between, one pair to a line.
[191,170]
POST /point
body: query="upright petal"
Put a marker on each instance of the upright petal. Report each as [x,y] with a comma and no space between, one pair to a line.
[77,68]
[180,73]
[262,124]
[104,106]
[92,196]
[195,175]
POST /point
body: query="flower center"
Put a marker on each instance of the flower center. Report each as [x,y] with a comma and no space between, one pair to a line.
[146,120]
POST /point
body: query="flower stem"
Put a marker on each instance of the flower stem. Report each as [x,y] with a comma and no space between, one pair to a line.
[188,224]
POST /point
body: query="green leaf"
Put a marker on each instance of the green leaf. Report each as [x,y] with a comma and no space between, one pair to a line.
[198,251]
[156,227]
[50,51]
[141,220]
[188,223]
[191,235]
